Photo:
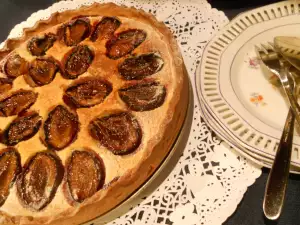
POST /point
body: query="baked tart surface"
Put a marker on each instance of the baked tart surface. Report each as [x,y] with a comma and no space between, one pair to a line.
[91,102]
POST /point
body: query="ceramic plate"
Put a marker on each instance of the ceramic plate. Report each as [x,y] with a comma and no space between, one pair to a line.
[235,87]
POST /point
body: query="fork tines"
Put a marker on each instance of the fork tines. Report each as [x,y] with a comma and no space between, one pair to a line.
[266,51]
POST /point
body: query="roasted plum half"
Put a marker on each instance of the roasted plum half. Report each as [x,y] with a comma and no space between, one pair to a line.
[75,31]
[15,66]
[143,96]
[5,84]
[85,175]
[21,129]
[10,167]
[60,128]
[17,103]
[119,132]
[124,43]
[139,67]
[42,71]
[38,46]
[87,92]
[105,28]
[77,61]
[39,180]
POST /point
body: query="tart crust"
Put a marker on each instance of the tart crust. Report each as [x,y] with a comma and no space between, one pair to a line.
[157,147]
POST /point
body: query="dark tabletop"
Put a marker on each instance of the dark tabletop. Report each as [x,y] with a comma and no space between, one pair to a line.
[249,211]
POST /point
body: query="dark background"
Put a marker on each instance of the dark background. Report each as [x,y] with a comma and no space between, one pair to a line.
[249,212]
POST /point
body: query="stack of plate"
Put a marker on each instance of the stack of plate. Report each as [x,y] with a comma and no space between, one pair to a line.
[238,96]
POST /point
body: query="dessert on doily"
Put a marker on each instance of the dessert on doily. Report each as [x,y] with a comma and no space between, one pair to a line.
[91,101]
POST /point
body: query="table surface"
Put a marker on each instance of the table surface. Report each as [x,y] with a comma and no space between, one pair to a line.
[249,211]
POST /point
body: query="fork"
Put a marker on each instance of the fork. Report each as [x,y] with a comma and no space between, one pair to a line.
[279,66]
[278,177]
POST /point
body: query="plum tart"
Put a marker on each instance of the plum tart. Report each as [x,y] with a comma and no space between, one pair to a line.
[91,102]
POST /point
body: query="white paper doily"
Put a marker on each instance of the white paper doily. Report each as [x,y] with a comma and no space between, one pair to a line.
[210,179]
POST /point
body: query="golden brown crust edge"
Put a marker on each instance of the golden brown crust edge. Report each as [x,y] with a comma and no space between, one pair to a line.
[121,189]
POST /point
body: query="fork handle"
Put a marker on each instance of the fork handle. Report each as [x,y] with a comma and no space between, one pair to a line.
[278,177]
[283,73]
